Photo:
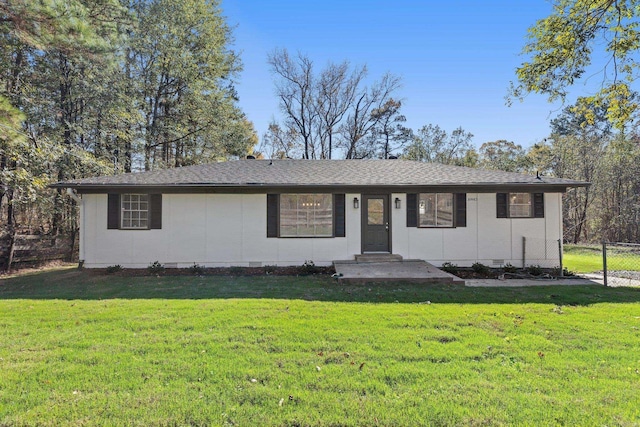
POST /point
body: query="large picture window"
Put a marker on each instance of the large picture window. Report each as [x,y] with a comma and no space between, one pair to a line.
[306,215]
[435,210]
[135,211]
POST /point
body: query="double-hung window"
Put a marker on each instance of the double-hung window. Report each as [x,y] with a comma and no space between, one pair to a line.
[520,205]
[134,211]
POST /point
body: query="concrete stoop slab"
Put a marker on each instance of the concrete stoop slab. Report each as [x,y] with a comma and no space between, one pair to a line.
[414,271]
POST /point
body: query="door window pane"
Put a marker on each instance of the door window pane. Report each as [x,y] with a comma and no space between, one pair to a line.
[375,211]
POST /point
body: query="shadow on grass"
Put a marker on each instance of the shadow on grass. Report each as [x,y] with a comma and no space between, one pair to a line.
[72,284]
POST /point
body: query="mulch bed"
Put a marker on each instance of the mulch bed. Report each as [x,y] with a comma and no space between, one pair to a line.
[218,271]
[499,273]
[299,270]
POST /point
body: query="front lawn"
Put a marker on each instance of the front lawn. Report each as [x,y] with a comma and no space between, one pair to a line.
[83,349]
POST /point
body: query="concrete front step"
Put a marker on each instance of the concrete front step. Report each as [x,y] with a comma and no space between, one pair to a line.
[378,257]
[415,271]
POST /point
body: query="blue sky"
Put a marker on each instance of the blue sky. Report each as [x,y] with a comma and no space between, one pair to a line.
[456,58]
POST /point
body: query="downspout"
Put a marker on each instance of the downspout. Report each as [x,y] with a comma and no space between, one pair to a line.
[71,192]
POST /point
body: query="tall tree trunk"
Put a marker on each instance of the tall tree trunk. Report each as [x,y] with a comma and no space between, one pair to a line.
[12,246]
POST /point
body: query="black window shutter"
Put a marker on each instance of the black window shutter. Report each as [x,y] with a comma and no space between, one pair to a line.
[501,205]
[155,222]
[538,205]
[461,209]
[412,210]
[272,215]
[338,216]
[113,211]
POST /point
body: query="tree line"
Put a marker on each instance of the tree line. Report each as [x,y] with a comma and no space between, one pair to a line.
[92,87]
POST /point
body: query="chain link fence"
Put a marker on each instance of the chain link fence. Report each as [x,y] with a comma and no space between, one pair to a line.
[538,251]
[621,264]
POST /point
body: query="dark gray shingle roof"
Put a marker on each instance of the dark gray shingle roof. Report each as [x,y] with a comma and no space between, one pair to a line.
[338,173]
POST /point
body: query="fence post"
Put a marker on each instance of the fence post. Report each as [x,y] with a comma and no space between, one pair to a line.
[604,261]
[560,257]
[524,252]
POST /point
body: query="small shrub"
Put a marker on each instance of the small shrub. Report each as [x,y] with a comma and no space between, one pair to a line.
[196,269]
[269,269]
[309,268]
[509,268]
[236,270]
[555,271]
[449,267]
[534,270]
[114,269]
[479,267]
[155,268]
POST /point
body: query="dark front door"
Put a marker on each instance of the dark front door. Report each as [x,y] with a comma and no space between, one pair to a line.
[375,223]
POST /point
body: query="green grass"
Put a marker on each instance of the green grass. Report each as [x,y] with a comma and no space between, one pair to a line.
[83,349]
[587,259]
[582,259]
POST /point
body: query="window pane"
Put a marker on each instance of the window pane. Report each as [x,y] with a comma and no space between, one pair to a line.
[305,215]
[375,211]
[444,214]
[323,216]
[427,210]
[288,215]
[436,210]
[135,211]
[520,205]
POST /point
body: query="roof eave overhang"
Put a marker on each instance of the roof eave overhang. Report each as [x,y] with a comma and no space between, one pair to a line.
[347,188]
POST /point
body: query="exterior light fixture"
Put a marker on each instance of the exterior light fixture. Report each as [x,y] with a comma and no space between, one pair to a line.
[356,203]
[398,203]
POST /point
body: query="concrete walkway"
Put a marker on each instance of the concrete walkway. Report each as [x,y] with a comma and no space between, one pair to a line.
[517,283]
[612,281]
